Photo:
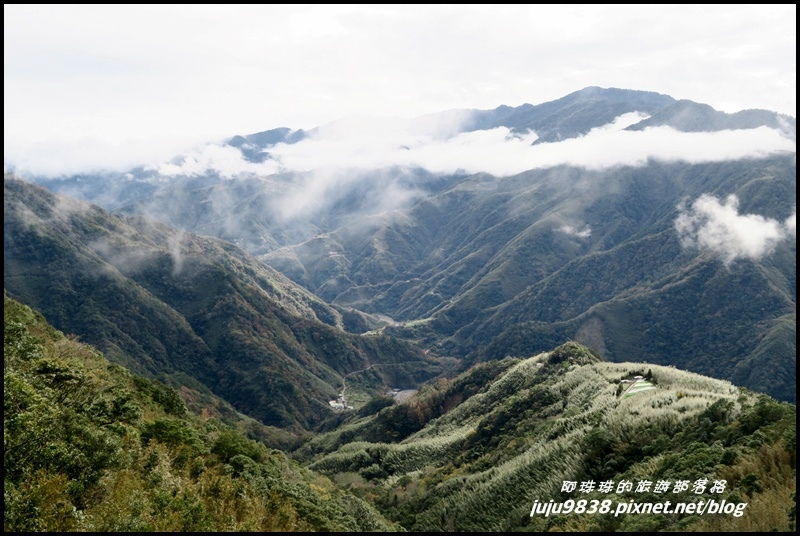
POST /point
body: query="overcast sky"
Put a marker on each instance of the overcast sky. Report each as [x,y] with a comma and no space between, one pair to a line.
[113,86]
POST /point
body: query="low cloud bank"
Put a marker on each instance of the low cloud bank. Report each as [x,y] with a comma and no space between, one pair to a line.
[363,145]
[437,144]
[359,153]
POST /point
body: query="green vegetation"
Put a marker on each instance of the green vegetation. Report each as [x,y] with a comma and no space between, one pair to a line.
[477,463]
[90,446]
[87,446]
[194,311]
[488,262]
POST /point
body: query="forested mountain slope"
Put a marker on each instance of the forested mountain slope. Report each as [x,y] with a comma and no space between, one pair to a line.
[162,301]
[89,446]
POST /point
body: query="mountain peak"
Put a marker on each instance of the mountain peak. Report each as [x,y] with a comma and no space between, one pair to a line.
[574,353]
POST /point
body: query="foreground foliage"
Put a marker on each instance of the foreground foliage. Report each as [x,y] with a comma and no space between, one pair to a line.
[88,446]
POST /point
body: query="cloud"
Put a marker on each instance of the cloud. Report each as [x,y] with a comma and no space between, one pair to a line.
[57,210]
[124,252]
[379,161]
[103,71]
[363,191]
[334,160]
[174,244]
[502,153]
[585,232]
[718,226]
[434,144]
[791,225]
[225,160]
[356,142]
[72,155]
[120,256]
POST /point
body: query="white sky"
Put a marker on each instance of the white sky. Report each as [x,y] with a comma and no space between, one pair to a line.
[113,86]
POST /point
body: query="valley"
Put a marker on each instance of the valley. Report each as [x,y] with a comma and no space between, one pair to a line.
[480,266]
[428,332]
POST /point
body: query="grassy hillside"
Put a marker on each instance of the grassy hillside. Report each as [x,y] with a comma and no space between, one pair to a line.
[473,454]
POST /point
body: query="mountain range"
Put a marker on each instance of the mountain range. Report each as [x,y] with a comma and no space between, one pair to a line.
[645,227]
[598,289]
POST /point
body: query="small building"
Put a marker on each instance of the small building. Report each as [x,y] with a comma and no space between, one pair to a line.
[339,404]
